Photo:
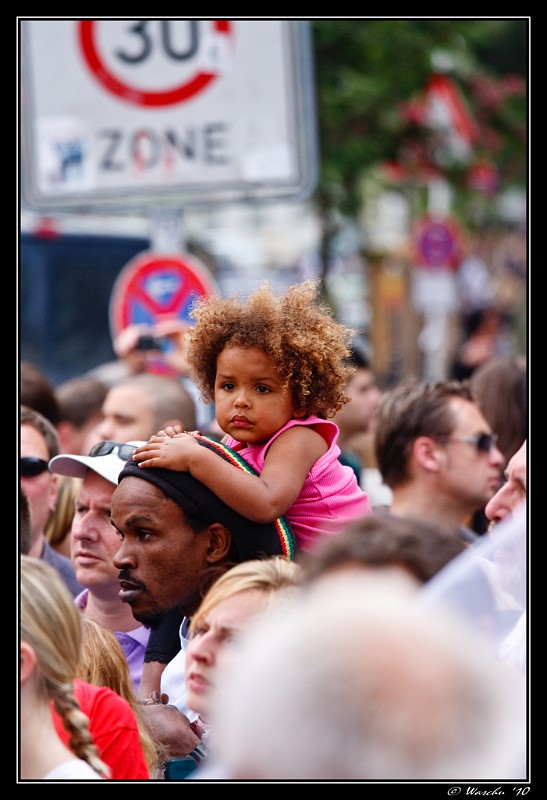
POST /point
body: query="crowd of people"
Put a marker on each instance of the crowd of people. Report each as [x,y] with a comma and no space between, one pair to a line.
[258,565]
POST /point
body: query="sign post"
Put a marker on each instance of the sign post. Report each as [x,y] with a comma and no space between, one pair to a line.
[438,253]
[126,113]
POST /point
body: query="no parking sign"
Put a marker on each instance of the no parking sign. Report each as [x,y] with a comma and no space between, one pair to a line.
[157,286]
[438,243]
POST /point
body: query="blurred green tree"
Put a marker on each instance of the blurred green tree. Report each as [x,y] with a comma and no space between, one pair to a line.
[371,75]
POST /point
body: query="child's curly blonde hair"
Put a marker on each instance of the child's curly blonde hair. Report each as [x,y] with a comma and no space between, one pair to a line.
[308,347]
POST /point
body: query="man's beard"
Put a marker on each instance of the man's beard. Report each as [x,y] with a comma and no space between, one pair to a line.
[152,621]
[151,616]
[169,621]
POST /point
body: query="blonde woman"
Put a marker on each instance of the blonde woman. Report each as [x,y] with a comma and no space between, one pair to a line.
[235,599]
[103,663]
[50,639]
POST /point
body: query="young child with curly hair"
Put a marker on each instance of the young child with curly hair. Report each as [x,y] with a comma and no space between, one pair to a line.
[275,368]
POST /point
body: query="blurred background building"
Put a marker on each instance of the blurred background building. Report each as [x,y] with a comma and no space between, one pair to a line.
[416,214]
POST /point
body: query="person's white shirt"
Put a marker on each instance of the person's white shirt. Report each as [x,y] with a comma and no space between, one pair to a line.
[75,769]
[173,679]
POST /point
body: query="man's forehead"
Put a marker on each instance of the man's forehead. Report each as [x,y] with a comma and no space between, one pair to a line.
[468,412]
[140,492]
[29,434]
[92,481]
[119,396]
[131,483]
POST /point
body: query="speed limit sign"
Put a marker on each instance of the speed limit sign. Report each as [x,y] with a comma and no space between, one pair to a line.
[178,73]
[121,111]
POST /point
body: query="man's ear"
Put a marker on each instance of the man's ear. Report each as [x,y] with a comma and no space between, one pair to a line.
[53,491]
[220,542]
[427,454]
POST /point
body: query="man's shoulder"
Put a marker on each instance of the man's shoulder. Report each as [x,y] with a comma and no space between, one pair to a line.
[58,560]
[64,567]
[54,558]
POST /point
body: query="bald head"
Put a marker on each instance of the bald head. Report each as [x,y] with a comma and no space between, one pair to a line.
[372,687]
[138,407]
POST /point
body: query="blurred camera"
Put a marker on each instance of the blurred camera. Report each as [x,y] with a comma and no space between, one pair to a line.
[148,343]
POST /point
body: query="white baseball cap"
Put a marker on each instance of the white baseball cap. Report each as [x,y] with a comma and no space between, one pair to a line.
[107,459]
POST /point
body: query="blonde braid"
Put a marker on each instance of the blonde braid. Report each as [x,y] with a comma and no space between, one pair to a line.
[77,724]
[51,624]
[103,663]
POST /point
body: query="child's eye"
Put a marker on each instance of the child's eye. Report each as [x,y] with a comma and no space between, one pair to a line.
[263,389]
[228,386]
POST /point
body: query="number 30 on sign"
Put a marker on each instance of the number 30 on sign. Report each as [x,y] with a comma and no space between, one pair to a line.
[156,62]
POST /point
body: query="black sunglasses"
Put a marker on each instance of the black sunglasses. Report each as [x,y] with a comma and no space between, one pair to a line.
[29,466]
[484,442]
[123,451]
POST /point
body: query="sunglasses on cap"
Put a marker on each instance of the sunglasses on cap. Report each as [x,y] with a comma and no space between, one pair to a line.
[484,442]
[30,467]
[120,449]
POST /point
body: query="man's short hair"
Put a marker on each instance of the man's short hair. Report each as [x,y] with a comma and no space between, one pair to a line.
[376,687]
[80,399]
[410,410]
[29,416]
[380,540]
[168,399]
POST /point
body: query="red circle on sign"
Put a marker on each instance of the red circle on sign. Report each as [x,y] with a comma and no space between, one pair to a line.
[87,30]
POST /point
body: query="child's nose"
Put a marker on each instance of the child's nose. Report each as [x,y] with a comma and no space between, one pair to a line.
[241,398]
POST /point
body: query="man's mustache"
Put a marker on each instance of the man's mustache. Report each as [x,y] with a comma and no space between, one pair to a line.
[125,575]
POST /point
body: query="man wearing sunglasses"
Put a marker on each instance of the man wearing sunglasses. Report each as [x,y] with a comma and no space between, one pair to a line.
[94,543]
[437,454]
[38,444]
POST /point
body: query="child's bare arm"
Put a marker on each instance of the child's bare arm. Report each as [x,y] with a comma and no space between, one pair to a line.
[261,498]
